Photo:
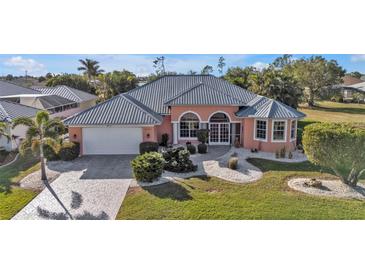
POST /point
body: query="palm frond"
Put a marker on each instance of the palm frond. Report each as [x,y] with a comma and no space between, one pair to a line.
[53,143]
[24,147]
[35,145]
[54,127]
[42,117]
[4,131]
[23,121]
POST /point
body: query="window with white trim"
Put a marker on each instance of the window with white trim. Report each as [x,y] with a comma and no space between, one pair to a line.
[293,129]
[261,128]
[278,133]
[189,124]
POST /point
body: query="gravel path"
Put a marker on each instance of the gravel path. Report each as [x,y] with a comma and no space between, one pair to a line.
[330,188]
[33,181]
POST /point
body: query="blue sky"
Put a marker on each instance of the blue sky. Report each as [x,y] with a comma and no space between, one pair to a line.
[141,64]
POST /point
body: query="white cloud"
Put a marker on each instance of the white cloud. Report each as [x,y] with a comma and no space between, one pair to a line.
[260,65]
[21,64]
[358,58]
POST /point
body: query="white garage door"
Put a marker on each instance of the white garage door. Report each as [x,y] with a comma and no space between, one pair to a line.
[111,140]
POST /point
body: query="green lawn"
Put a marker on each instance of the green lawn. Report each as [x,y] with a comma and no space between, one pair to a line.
[211,198]
[13,198]
[326,111]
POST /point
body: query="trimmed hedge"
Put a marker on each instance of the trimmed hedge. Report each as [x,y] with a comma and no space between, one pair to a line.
[69,151]
[146,147]
[148,167]
[191,148]
[202,148]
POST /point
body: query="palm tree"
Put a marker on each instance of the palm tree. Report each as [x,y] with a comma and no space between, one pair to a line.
[43,131]
[90,68]
[3,131]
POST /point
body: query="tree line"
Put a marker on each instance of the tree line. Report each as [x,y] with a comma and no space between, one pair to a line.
[286,79]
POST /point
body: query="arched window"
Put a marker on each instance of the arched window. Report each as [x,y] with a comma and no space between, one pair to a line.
[219,117]
[189,124]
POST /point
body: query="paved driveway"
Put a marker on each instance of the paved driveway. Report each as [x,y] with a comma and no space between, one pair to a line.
[91,187]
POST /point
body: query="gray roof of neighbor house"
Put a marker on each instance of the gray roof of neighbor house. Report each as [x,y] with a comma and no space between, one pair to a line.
[203,94]
[119,110]
[358,86]
[9,89]
[52,101]
[68,93]
[11,110]
[155,93]
[262,107]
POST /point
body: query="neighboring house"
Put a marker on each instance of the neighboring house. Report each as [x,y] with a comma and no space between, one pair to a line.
[59,101]
[179,106]
[8,112]
[348,87]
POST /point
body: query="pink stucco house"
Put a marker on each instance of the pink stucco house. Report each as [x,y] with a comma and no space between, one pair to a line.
[179,106]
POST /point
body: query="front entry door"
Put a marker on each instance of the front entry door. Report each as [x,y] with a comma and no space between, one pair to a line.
[219,133]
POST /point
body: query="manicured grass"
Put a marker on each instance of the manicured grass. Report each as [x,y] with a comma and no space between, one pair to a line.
[326,111]
[13,198]
[211,198]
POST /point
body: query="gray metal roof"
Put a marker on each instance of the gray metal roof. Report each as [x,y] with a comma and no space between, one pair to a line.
[68,93]
[154,94]
[52,101]
[203,94]
[9,89]
[11,110]
[262,107]
[119,110]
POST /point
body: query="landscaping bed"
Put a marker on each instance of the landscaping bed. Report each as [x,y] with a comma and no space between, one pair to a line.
[269,198]
[330,188]
[7,157]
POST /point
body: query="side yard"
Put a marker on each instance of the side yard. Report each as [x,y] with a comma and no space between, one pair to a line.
[13,198]
[212,198]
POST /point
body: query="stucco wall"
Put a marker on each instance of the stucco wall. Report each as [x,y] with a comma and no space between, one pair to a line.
[165,127]
[204,112]
[150,134]
[75,135]
[269,146]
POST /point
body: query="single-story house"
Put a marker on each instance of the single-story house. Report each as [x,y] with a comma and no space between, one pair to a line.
[8,112]
[179,105]
[59,101]
[350,86]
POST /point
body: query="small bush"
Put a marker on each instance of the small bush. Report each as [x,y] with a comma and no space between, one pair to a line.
[148,167]
[202,148]
[233,163]
[164,140]
[202,135]
[290,155]
[191,148]
[337,98]
[50,154]
[69,151]
[145,147]
[178,160]
[282,152]
[277,154]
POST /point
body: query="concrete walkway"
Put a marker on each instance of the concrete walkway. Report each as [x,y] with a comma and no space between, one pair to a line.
[90,188]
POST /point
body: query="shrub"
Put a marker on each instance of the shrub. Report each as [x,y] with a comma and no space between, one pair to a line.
[50,154]
[69,151]
[202,135]
[164,139]
[290,155]
[148,167]
[313,182]
[202,148]
[337,98]
[233,163]
[277,154]
[191,148]
[178,160]
[338,146]
[282,152]
[145,147]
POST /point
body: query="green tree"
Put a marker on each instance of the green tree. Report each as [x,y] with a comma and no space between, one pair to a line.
[240,76]
[207,70]
[116,82]
[192,72]
[338,146]
[355,74]
[221,65]
[40,132]
[4,131]
[159,65]
[71,80]
[276,84]
[9,77]
[316,74]
[90,68]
